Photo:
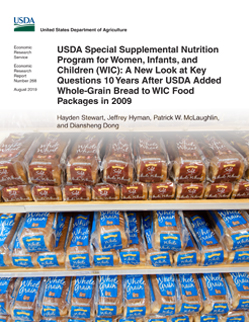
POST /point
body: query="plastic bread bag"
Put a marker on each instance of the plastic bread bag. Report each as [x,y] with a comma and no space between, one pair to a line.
[26,306]
[19,257]
[6,290]
[17,193]
[106,191]
[118,162]
[218,191]
[111,231]
[109,296]
[76,193]
[211,249]
[8,228]
[83,297]
[48,162]
[15,153]
[84,160]
[191,300]
[46,193]
[151,158]
[154,257]
[135,253]
[234,317]
[79,252]
[57,257]
[55,302]
[185,191]
[238,256]
[241,190]
[100,258]
[190,256]
[169,232]
[38,232]
[136,296]
[6,318]
[163,294]
[188,164]
[238,284]
[162,190]
[214,293]
[134,191]
[232,227]
[225,163]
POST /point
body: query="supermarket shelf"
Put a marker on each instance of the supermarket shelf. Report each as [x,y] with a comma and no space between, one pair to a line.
[126,205]
[123,270]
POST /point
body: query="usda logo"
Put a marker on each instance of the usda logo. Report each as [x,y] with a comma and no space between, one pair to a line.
[24,24]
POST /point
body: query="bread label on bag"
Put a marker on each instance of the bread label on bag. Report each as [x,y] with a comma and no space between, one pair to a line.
[187,259]
[28,289]
[36,220]
[83,287]
[54,287]
[35,243]
[241,281]
[167,309]
[22,261]
[162,259]
[213,258]
[48,260]
[170,242]
[166,218]
[109,218]
[182,319]
[80,231]
[134,311]
[132,218]
[2,264]
[210,318]
[80,312]
[215,284]
[78,261]
[162,190]
[14,194]
[135,287]
[240,318]
[26,315]
[130,257]
[107,310]
[232,218]
[81,320]
[81,173]
[103,260]
[241,257]
[111,241]
[157,320]
[6,222]
[240,240]
[59,227]
[108,286]
[188,285]
[96,320]
[48,310]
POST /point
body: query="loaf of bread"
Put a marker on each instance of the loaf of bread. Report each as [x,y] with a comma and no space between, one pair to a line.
[78,250]
[6,289]
[238,284]
[137,296]
[55,300]
[238,256]
[38,232]
[211,249]
[190,256]
[83,162]
[83,297]
[118,163]
[163,295]
[111,232]
[48,163]
[225,163]
[57,257]
[191,301]
[151,158]
[154,257]
[167,231]
[231,226]
[188,162]
[162,190]
[214,294]
[15,153]
[134,254]
[106,191]
[17,193]
[8,227]
[218,191]
[77,193]
[190,191]
[110,297]
[134,191]
[46,193]
[25,306]
[241,190]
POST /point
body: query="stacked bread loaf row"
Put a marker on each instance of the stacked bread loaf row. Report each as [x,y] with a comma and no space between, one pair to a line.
[113,238]
[50,160]
[131,296]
